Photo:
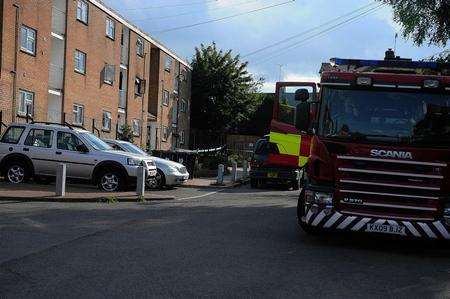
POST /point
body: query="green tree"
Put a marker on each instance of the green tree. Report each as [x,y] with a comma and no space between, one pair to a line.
[423,20]
[126,133]
[223,91]
[259,122]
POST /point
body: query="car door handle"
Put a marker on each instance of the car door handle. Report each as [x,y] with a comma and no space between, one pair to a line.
[26,149]
[59,153]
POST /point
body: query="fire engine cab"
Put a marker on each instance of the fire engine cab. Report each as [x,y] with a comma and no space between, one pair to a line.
[380,148]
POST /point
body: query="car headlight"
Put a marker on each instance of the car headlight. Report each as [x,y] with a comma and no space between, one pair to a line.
[320,198]
[133,162]
[173,169]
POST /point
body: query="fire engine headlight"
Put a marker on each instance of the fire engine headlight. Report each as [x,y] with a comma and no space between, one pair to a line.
[320,198]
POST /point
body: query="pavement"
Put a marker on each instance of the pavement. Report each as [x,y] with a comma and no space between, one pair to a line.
[224,242]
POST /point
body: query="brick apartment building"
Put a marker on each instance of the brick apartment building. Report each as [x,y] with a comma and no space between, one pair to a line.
[78,61]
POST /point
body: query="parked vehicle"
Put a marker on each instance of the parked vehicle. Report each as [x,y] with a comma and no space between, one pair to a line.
[169,173]
[34,150]
[266,169]
[380,149]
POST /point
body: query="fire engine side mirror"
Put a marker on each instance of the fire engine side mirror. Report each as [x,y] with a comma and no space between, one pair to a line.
[302,116]
[301,95]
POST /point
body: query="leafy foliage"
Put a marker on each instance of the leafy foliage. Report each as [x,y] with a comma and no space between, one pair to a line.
[223,91]
[259,122]
[126,133]
[423,20]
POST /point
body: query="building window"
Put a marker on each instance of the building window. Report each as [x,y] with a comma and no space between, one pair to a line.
[168,63]
[106,121]
[182,140]
[109,74]
[28,40]
[165,133]
[183,106]
[165,98]
[136,124]
[78,114]
[110,28]
[139,86]
[80,62]
[140,46]
[82,11]
[26,103]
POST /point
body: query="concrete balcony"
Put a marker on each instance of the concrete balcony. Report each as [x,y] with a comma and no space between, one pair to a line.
[56,77]
[58,21]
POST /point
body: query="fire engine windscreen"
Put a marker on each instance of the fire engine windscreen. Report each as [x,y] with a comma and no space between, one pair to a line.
[413,118]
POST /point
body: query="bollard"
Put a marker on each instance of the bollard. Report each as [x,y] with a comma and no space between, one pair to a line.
[61,180]
[220,172]
[234,176]
[140,184]
[245,169]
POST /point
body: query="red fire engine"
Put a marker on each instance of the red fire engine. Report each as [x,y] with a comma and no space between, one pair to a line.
[380,149]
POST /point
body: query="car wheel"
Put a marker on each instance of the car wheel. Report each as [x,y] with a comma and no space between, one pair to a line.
[110,181]
[16,172]
[160,180]
[301,213]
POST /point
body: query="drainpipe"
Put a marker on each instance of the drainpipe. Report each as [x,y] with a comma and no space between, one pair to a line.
[63,92]
[143,96]
[16,54]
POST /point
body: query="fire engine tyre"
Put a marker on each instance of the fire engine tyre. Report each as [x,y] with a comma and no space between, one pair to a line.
[300,213]
[111,180]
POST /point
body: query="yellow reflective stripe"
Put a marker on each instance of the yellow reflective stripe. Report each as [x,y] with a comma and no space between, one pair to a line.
[302,161]
[288,144]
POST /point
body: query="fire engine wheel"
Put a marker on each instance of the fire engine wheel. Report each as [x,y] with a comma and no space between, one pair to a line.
[301,213]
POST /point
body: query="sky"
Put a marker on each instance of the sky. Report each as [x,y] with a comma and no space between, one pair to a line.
[366,37]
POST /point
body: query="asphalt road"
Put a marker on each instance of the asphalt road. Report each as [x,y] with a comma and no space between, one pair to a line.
[233,243]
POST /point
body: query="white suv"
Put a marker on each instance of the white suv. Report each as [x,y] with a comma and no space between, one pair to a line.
[34,150]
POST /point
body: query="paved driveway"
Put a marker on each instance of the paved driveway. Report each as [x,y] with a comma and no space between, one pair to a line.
[233,243]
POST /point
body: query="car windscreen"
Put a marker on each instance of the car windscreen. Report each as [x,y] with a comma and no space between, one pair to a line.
[13,135]
[96,142]
[129,147]
[383,115]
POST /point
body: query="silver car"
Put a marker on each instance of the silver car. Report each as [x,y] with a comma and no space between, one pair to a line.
[169,173]
[35,150]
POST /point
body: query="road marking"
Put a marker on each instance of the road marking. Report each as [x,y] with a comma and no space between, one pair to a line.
[200,196]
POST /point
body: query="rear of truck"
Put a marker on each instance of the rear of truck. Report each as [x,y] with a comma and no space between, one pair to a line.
[380,150]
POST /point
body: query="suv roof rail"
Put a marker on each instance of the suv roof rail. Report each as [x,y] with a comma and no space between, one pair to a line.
[53,123]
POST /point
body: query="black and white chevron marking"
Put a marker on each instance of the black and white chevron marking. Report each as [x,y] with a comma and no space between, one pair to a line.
[338,221]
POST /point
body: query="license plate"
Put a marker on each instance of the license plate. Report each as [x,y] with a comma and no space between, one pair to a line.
[386,229]
[272,175]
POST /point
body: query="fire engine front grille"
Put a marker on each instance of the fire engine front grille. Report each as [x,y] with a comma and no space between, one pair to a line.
[390,188]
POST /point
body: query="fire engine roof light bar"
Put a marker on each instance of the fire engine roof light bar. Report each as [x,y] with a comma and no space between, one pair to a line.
[391,63]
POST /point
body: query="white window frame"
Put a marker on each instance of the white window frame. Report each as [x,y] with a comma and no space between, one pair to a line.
[26,99]
[107,121]
[165,97]
[165,134]
[136,125]
[78,109]
[110,28]
[183,106]
[82,11]
[140,46]
[77,56]
[167,65]
[28,39]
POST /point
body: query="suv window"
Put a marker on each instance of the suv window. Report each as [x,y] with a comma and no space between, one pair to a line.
[264,147]
[39,138]
[67,141]
[13,135]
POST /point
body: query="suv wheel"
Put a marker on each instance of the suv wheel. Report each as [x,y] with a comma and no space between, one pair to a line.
[110,181]
[16,172]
